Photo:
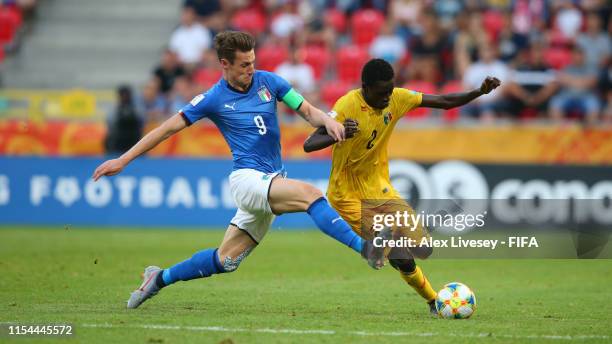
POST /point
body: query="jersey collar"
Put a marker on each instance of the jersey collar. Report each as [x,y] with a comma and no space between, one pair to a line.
[237,90]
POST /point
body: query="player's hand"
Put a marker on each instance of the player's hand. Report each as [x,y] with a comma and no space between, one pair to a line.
[489,84]
[108,168]
[351,127]
[334,129]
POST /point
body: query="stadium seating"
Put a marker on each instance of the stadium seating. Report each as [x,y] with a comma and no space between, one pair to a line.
[558,58]
[206,77]
[365,25]
[270,56]
[423,87]
[350,60]
[249,20]
[10,20]
[318,58]
[336,19]
[493,23]
[332,91]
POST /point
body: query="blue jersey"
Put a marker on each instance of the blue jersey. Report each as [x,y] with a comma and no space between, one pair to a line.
[247,120]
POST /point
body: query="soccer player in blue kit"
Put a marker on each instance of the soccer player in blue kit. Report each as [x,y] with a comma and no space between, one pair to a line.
[242,104]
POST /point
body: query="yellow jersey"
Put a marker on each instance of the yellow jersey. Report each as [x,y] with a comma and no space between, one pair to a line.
[360,167]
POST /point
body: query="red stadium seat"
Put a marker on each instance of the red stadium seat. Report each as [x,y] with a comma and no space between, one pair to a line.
[365,25]
[332,91]
[249,20]
[454,86]
[423,87]
[336,19]
[206,77]
[493,22]
[317,57]
[10,20]
[268,57]
[350,60]
[558,58]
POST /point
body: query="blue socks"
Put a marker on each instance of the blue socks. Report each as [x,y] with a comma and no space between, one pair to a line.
[332,224]
[202,264]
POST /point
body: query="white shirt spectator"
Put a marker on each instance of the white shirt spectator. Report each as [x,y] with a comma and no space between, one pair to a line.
[285,24]
[189,42]
[390,48]
[300,75]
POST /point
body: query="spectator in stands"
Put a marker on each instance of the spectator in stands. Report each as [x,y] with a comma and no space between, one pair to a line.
[182,92]
[469,36]
[509,41]
[595,43]
[387,45]
[152,105]
[299,74]
[125,126]
[529,17]
[486,106]
[531,84]
[210,13]
[190,39]
[446,11]
[578,82]
[568,18]
[287,22]
[605,85]
[430,50]
[168,70]
[404,14]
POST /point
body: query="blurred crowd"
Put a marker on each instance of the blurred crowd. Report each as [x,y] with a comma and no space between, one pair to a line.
[553,57]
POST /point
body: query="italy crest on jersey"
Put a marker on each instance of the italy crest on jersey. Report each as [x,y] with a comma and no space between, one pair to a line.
[264,94]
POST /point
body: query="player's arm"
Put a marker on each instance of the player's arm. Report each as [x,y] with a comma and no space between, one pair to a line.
[319,139]
[451,100]
[318,118]
[150,140]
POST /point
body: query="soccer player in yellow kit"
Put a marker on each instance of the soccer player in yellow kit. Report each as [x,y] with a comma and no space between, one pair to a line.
[359,185]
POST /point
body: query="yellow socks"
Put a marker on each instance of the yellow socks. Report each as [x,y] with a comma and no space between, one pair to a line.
[419,282]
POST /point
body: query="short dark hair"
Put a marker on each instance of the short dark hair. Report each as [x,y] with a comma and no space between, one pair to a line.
[227,42]
[376,70]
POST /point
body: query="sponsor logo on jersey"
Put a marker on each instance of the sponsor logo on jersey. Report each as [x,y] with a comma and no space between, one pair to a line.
[264,94]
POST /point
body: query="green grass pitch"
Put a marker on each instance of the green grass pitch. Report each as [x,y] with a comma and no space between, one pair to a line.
[298,286]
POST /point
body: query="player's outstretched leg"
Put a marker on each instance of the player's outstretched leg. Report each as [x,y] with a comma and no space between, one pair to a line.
[233,250]
[414,276]
[290,196]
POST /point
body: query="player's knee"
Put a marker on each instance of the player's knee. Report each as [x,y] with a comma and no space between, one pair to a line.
[311,193]
[404,265]
[421,252]
[231,264]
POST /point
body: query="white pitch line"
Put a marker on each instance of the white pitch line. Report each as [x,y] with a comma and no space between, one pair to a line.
[355,333]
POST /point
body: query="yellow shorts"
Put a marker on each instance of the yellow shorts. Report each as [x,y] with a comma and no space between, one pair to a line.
[361,215]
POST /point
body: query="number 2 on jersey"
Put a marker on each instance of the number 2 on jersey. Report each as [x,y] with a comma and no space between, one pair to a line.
[372,138]
[259,122]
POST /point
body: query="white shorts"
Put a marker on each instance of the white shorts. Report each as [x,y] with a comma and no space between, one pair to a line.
[250,189]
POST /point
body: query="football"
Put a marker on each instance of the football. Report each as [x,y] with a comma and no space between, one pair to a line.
[455,301]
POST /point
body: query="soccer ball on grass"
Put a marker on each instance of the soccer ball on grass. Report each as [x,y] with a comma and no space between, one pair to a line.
[455,301]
